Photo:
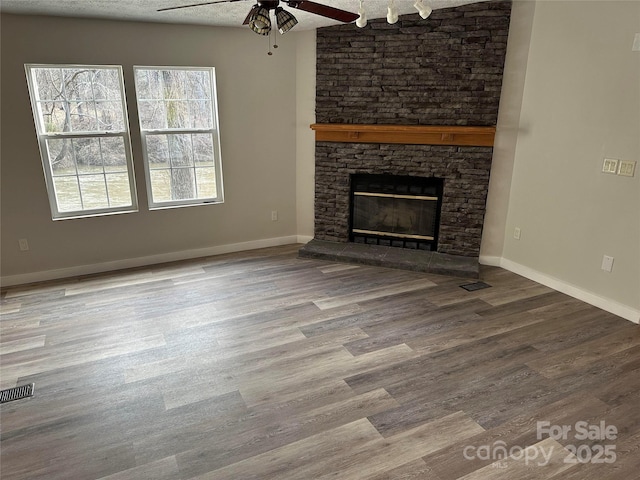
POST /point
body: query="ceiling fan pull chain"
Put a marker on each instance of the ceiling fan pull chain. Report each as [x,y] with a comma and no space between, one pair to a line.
[275,45]
[275,38]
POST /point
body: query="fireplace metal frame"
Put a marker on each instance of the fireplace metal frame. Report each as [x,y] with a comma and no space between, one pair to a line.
[394,187]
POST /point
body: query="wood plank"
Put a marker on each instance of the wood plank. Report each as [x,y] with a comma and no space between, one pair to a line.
[405,134]
[548,459]
[163,469]
[587,352]
[373,293]
[22,344]
[290,460]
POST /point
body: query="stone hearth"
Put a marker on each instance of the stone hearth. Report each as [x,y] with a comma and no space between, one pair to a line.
[405,259]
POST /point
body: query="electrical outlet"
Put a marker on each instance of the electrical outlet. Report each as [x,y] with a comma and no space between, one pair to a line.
[274,215]
[626,168]
[23,244]
[607,263]
[610,165]
[516,233]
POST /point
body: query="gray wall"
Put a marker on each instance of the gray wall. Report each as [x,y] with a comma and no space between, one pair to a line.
[257,107]
[580,104]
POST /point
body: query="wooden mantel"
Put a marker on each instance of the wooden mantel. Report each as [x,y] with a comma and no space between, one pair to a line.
[405,134]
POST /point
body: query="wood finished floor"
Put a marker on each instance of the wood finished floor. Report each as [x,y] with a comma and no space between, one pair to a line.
[260,365]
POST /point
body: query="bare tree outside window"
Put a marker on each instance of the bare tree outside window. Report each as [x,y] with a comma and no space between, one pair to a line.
[83,134]
[178,122]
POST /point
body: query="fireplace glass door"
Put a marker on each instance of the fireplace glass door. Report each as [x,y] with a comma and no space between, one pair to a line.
[395,210]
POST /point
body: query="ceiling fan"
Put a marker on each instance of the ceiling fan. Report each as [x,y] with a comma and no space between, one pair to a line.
[259,19]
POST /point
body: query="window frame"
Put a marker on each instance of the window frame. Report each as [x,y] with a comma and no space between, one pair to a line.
[43,137]
[214,131]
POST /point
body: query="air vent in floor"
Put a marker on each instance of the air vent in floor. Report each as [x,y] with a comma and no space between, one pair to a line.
[472,287]
[16,393]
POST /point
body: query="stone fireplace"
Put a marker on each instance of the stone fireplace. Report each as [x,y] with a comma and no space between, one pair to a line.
[415,99]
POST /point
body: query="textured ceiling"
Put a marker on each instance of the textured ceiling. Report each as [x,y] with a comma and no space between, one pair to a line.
[223,14]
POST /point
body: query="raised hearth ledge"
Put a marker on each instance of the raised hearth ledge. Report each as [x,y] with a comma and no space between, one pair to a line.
[391,257]
[405,134]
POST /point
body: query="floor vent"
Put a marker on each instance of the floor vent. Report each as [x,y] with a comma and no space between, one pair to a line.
[16,393]
[472,287]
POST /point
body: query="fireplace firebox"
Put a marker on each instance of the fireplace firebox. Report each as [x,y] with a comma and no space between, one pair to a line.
[395,210]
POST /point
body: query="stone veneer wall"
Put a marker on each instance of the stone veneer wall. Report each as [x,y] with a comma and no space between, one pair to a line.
[465,171]
[446,70]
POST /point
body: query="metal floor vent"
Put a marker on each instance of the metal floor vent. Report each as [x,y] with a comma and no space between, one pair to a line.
[16,393]
[472,287]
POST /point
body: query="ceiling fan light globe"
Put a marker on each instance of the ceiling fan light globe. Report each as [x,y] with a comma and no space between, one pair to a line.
[392,16]
[285,20]
[392,13]
[423,10]
[361,21]
[260,22]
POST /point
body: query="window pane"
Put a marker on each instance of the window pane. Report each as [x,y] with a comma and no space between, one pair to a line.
[174,84]
[87,163]
[50,83]
[199,110]
[202,149]
[106,85]
[67,194]
[148,85]
[177,114]
[54,117]
[87,155]
[182,184]
[118,190]
[82,116]
[109,116]
[114,154]
[158,151]
[94,191]
[61,160]
[152,114]
[206,182]
[199,85]
[161,185]
[78,84]
[180,150]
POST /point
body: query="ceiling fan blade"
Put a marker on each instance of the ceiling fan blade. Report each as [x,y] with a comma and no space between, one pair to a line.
[323,10]
[197,5]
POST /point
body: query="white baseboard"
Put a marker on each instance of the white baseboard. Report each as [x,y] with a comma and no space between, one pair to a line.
[591,298]
[45,275]
[491,261]
[304,238]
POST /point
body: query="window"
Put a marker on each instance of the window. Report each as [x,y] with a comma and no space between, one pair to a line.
[180,141]
[82,127]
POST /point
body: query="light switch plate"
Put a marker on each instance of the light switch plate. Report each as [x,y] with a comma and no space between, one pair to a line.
[610,165]
[627,168]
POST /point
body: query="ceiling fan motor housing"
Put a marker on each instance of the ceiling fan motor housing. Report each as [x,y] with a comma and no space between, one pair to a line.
[270,4]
